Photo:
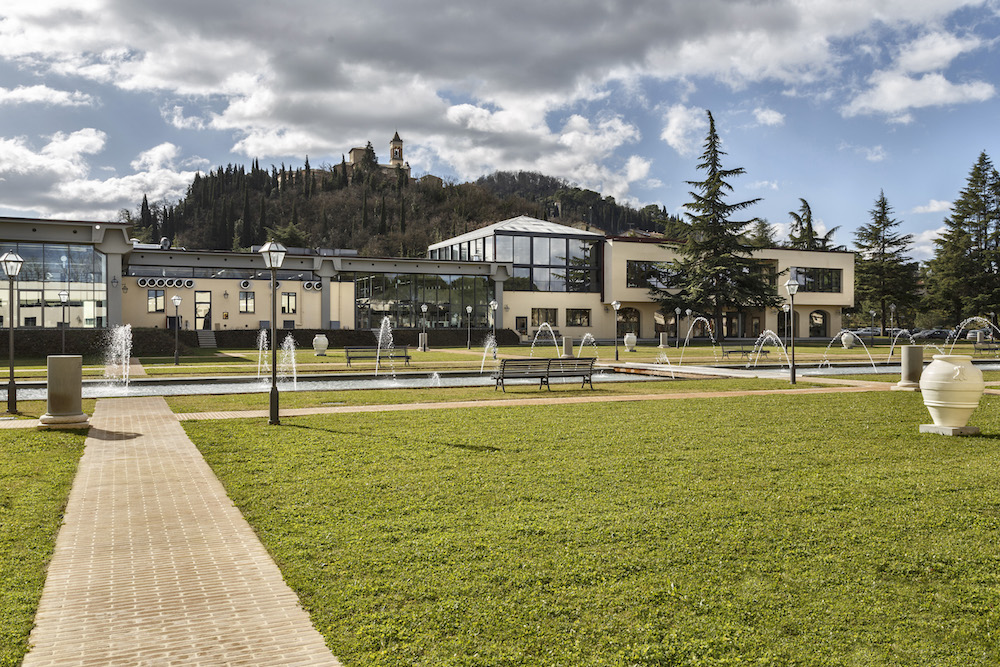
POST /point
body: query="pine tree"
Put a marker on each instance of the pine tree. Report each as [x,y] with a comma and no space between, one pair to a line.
[802,234]
[883,273]
[964,273]
[714,271]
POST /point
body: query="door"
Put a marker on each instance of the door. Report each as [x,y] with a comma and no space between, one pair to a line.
[203,310]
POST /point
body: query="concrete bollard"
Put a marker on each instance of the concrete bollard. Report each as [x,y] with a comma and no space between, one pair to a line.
[65,393]
[912,366]
[422,341]
[567,347]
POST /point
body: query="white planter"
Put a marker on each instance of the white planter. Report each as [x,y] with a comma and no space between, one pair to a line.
[320,344]
[848,340]
[951,387]
[630,340]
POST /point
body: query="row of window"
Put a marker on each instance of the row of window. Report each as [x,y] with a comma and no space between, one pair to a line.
[645,274]
[575,317]
[156,302]
[533,250]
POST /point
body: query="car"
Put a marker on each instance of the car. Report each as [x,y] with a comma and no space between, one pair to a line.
[972,335]
[942,334]
[868,331]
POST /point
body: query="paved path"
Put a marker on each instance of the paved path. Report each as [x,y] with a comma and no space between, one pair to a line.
[155,566]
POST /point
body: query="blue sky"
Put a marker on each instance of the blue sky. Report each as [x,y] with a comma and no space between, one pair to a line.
[102,101]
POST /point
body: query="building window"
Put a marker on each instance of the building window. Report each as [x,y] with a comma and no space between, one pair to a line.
[578,317]
[288,303]
[648,274]
[246,302]
[155,301]
[820,280]
[540,316]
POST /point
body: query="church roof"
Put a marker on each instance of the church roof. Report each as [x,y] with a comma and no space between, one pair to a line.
[395,137]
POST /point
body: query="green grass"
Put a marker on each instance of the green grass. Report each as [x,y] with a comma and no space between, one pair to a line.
[777,530]
[311,399]
[36,470]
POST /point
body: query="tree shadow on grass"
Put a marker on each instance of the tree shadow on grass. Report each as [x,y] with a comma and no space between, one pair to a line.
[402,440]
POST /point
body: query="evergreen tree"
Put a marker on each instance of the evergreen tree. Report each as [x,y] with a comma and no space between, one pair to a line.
[883,273]
[964,272]
[714,271]
[802,234]
[761,235]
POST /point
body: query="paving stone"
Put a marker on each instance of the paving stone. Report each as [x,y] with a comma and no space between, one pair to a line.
[155,566]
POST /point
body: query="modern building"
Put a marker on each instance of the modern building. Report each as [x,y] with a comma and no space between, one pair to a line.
[535,271]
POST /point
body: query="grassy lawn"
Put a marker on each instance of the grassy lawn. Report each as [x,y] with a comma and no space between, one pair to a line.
[779,530]
[312,399]
[36,470]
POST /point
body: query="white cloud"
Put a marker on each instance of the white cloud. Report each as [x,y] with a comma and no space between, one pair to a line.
[158,157]
[44,95]
[895,94]
[871,153]
[763,185]
[923,247]
[684,128]
[933,206]
[768,117]
[934,52]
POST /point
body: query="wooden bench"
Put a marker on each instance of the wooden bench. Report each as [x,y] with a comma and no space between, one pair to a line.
[545,369]
[742,350]
[984,347]
[355,353]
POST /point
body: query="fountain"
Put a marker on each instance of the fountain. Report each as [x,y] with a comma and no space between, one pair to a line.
[839,336]
[118,354]
[385,343]
[286,361]
[766,337]
[662,358]
[489,344]
[263,365]
[896,337]
[435,379]
[687,339]
[982,321]
[545,327]
[589,338]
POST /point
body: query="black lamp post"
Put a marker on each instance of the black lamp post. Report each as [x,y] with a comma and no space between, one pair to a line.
[784,308]
[677,322]
[616,305]
[871,336]
[892,318]
[493,310]
[423,327]
[12,263]
[274,255]
[64,297]
[176,299]
[792,286]
[468,313]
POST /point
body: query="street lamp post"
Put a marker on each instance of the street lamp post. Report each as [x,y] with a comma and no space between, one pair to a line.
[892,318]
[616,305]
[677,322]
[274,255]
[493,310]
[792,286]
[176,299]
[785,309]
[871,334]
[423,327]
[468,312]
[12,266]
[64,297]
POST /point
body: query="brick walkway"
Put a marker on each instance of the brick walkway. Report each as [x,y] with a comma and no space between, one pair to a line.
[155,566]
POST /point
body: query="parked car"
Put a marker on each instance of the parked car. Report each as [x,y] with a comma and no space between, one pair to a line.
[932,333]
[868,331]
[987,334]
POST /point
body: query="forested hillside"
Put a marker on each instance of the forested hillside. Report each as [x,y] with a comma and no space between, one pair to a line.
[376,211]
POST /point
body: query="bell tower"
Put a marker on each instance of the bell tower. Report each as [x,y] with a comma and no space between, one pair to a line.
[396,151]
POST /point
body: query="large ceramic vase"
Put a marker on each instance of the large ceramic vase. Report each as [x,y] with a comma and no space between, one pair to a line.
[320,345]
[630,341]
[951,387]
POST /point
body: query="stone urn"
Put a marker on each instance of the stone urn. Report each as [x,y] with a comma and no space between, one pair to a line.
[951,387]
[848,340]
[630,340]
[320,344]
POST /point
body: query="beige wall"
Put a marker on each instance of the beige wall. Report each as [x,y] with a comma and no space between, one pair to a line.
[226,309]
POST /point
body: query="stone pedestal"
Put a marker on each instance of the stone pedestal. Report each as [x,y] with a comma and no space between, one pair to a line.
[567,348]
[949,430]
[664,340]
[422,341]
[65,393]
[912,357]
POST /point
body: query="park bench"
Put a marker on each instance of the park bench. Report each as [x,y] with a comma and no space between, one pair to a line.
[355,353]
[742,350]
[545,369]
[984,347]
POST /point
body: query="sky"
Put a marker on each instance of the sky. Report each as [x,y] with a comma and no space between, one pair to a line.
[832,101]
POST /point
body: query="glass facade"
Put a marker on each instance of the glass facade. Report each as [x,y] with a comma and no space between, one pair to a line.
[820,280]
[399,296]
[50,268]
